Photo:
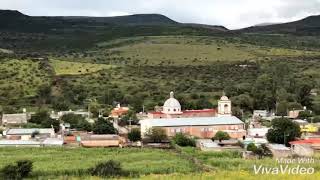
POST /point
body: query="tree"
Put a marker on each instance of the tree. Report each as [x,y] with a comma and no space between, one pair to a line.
[282,108]
[43,119]
[134,135]
[110,168]
[220,135]
[20,170]
[282,131]
[131,115]
[157,134]
[39,117]
[103,126]
[77,122]
[182,140]
[305,115]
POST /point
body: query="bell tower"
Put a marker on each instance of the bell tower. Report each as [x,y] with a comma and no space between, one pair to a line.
[224,106]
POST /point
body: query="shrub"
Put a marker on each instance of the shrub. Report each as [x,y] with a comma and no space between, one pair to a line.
[220,135]
[182,140]
[24,167]
[157,135]
[134,135]
[251,147]
[110,168]
[19,170]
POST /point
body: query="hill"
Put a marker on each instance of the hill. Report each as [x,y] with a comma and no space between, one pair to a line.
[21,33]
[307,26]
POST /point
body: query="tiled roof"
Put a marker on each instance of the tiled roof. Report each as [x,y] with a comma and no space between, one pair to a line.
[195,121]
[14,118]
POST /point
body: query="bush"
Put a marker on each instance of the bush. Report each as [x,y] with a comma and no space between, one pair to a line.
[157,135]
[220,135]
[251,147]
[182,140]
[19,170]
[24,167]
[110,168]
[134,135]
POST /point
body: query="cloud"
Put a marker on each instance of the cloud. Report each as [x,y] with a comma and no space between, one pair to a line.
[230,13]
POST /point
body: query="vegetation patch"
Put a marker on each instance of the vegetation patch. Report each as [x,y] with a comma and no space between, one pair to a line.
[76,68]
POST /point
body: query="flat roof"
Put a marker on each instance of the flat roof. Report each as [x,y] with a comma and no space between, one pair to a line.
[22,131]
[19,142]
[194,121]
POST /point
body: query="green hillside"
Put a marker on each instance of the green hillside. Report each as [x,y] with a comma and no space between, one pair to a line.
[137,60]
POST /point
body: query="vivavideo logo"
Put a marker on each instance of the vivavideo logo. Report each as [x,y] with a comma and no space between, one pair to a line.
[287,166]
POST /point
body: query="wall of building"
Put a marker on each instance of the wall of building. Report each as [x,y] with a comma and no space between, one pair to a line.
[235,131]
[302,150]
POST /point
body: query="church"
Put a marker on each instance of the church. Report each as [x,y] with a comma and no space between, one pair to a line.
[199,123]
[172,109]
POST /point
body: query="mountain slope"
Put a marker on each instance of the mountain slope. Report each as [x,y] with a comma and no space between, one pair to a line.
[306,26]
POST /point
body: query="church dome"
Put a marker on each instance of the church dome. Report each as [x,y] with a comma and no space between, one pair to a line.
[171,105]
[224,98]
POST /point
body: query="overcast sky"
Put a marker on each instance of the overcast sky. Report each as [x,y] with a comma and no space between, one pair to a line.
[229,13]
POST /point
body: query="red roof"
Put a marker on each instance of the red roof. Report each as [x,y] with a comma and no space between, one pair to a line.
[191,111]
[199,111]
[306,141]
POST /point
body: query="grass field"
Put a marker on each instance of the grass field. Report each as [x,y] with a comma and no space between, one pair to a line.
[65,163]
[58,161]
[76,68]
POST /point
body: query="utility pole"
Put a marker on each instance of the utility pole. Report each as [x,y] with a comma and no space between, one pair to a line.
[130,120]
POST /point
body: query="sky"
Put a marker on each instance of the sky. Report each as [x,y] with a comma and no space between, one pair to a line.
[232,14]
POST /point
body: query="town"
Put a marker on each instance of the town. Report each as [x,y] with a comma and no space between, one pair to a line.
[158,90]
[214,129]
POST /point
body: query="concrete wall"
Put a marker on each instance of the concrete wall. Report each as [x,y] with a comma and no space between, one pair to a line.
[302,150]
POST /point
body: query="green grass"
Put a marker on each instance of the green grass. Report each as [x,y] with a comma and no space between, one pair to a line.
[152,164]
[21,78]
[57,161]
[76,68]
[188,50]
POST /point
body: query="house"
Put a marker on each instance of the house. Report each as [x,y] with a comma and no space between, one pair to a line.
[256,141]
[198,126]
[260,114]
[27,134]
[15,119]
[209,145]
[307,147]
[309,128]
[19,143]
[58,115]
[279,150]
[108,140]
[119,111]
[258,132]
[32,143]
[50,142]
[293,114]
